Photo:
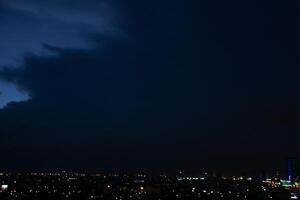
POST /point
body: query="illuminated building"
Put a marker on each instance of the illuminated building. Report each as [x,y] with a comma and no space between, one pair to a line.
[290,171]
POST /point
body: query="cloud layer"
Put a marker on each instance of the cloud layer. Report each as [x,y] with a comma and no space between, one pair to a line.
[182,79]
[27,26]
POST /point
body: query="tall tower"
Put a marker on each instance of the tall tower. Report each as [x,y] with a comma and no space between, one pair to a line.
[290,170]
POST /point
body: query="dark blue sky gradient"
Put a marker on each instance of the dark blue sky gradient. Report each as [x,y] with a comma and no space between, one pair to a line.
[150,85]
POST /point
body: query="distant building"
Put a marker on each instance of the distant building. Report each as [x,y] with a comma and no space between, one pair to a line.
[4,187]
[290,170]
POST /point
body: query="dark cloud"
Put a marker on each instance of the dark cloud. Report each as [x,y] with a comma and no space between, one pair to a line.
[26,26]
[183,83]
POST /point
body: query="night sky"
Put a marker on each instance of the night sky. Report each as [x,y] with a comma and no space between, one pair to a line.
[149,85]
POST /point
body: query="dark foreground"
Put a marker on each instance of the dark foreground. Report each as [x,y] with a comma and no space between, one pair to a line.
[75,186]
